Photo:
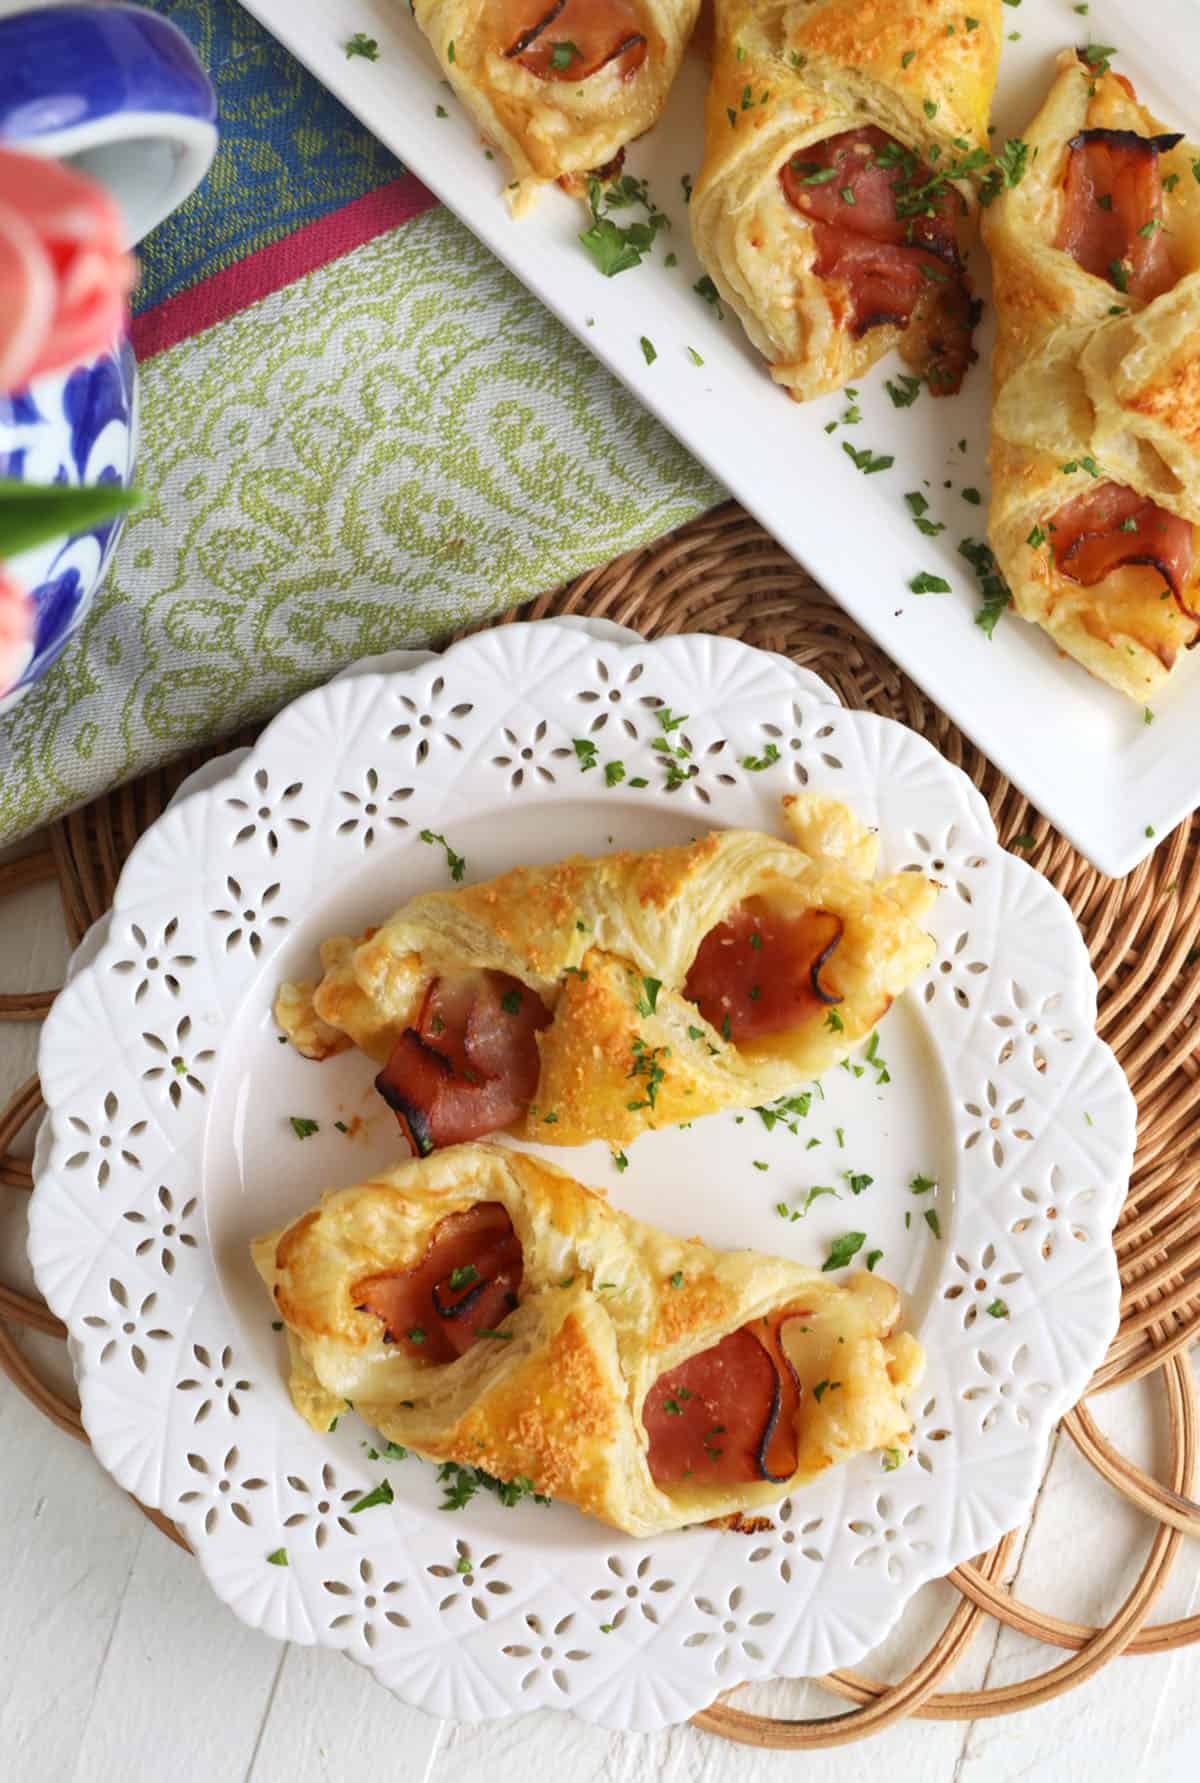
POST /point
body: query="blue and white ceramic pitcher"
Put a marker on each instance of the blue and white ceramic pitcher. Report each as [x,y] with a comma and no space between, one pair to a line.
[118,92]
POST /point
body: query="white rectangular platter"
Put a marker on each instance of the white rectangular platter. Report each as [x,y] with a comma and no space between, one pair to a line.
[1113,778]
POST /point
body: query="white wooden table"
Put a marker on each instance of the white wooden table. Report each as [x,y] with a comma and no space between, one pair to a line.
[117,1665]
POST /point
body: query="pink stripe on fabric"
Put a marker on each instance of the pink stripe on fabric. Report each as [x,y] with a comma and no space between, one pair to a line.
[284,261]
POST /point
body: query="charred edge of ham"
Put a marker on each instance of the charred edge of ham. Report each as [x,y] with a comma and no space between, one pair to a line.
[1128,141]
[1165,569]
[764,1441]
[629,43]
[414,1119]
[529,37]
[814,971]
[880,319]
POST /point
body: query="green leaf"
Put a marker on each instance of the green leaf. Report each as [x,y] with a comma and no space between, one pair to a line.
[843,1248]
[30,516]
[382,1494]
[278,1558]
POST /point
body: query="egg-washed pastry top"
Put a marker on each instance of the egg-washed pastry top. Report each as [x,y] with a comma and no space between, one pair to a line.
[559,86]
[834,206]
[482,1307]
[596,998]
[1095,517]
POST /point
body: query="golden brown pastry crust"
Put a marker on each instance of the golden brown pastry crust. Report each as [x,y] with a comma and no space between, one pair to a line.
[584,934]
[560,1403]
[1072,380]
[551,129]
[792,73]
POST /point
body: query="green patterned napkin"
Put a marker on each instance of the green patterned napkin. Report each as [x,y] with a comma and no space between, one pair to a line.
[400,442]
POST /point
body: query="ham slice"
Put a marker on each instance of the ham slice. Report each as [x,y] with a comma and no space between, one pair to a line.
[727,1415]
[758,973]
[890,265]
[572,39]
[470,1066]
[1112,526]
[1112,193]
[466,1283]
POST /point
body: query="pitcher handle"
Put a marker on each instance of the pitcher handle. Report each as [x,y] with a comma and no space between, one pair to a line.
[118,92]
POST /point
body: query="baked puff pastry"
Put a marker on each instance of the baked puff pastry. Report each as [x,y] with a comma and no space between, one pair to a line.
[834,208]
[597,998]
[1096,384]
[484,1308]
[560,86]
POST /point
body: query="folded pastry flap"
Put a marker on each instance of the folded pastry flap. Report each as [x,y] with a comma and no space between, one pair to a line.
[1143,376]
[551,127]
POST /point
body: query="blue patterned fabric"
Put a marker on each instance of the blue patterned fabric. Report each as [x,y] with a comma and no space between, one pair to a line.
[289,153]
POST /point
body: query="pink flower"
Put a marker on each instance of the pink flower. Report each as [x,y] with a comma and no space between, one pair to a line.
[64,276]
[16,630]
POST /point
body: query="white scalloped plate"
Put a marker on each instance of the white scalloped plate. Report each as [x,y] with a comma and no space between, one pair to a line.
[168,1146]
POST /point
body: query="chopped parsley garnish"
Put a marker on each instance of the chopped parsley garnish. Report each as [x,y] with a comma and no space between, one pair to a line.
[278,1558]
[873,1258]
[823,1387]
[361,45]
[695,357]
[892,1459]
[439,111]
[879,1066]
[416,1334]
[1147,715]
[1024,841]
[858,1181]
[1118,272]
[649,351]
[464,1275]
[834,1022]
[756,763]
[905,391]
[925,582]
[1008,169]
[382,1494]
[759,1164]
[705,288]
[999,1309]
[786,1109]
[677,1279]
[646,1065]
[277,1324]
[921,1185]
[510,1002]
[614,248]
[648,1001]
[996,593]
[620,1160]
[971,495]
[843,1248]
[585,751]
[673,1408]
[456,862]
[504,1336]
[1037,537]
[1096,55]
[908,58]
[929,107]
[563,54]
[614,773]
[932,1221]
[695,1033]
[918,507]
[302,1127]
[866,461]
[462,1483]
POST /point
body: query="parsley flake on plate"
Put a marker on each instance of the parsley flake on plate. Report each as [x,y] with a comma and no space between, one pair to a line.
[382,1494]
[361,45]
[925,582]
[456,862]
[302,1127]
[843,1249]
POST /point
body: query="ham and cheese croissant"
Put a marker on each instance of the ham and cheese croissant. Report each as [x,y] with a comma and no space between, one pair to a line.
[560,86]
[597,998]
[833,208]
[1096,382]
[485,1308]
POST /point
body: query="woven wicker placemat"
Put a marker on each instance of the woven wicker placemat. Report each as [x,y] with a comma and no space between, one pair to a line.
[724,574]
